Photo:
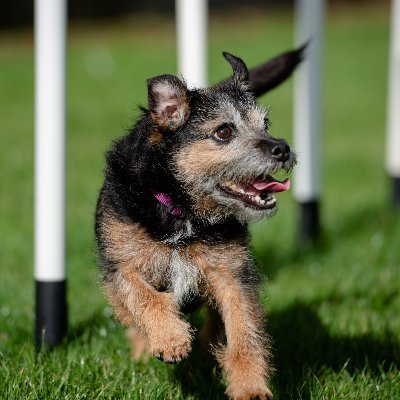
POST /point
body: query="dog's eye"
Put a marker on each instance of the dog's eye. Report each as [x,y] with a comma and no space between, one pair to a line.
[223,133]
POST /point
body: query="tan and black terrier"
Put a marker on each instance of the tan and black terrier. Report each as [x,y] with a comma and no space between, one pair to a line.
[171,223]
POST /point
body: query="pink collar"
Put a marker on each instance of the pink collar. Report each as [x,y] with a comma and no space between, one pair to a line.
[166,201]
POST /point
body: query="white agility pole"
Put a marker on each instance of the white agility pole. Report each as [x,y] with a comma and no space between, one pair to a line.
[393,117]
[191,28]
[307,115]
[50,49]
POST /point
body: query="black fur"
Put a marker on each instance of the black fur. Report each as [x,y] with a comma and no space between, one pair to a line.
[210,153]
[135,169]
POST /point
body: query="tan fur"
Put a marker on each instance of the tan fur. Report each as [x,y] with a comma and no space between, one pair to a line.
[204,165]
[245,356]
[130,246]
[154,315]
[156,137]
[215,151]
[132,290]
[201,157]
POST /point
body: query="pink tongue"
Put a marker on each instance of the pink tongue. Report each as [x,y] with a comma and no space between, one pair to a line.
[272,185]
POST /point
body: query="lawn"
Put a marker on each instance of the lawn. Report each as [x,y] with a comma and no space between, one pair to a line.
[333,310]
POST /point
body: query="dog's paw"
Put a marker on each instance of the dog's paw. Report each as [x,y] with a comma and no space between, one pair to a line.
[263,394]
[173,350]
[172,345]
[173,354]
[246,374]
[244,384]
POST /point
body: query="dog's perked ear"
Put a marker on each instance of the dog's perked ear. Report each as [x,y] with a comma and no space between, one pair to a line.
[240,71]
[168,102]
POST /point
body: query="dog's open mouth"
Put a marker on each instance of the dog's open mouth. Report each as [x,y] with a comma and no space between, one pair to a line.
[259,194]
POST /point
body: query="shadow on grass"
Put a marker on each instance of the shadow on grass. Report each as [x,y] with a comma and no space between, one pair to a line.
[303,346]
[199,376]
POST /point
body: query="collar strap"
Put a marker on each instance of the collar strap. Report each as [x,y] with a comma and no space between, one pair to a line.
[166,201]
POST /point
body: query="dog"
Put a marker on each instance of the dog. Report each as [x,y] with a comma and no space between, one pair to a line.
[171,223]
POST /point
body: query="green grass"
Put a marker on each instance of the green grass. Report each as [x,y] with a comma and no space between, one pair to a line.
[333,310]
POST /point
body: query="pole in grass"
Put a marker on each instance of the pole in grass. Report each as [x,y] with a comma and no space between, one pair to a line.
[307,117]
[393,117]
[191,29]
[50,40]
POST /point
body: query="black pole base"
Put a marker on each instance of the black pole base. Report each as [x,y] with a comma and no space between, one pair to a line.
[395,191]
[51,313]
[309,229]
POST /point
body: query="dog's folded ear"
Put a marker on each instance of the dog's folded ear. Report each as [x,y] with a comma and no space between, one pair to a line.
[168,102]
[240,71]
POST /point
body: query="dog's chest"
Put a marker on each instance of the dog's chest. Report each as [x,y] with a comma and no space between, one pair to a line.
[184,277]
[172,269]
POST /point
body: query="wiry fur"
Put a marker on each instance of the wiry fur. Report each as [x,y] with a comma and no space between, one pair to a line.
[156,265]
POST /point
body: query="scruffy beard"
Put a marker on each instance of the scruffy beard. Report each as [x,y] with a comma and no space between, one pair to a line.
[244,189]
[214,205]
[244,212]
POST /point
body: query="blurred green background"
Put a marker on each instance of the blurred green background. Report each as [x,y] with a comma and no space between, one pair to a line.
[333,310]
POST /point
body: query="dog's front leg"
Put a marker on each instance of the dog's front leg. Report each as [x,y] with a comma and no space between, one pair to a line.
[244,359]
[154,313]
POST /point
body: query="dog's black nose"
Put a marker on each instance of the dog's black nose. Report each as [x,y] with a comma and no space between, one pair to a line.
[280,151]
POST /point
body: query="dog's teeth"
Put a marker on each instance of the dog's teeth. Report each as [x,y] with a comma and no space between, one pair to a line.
[241,190]
[260,200]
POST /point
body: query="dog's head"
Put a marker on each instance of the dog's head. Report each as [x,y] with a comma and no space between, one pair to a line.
[217,145]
